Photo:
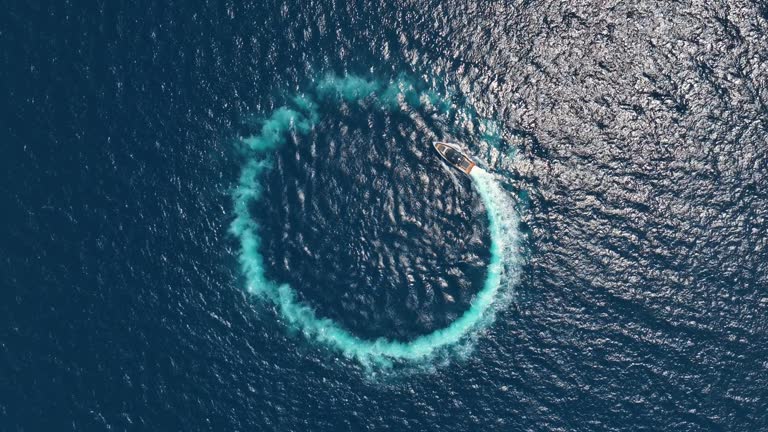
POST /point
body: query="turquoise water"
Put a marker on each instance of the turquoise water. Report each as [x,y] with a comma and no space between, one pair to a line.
[502,217]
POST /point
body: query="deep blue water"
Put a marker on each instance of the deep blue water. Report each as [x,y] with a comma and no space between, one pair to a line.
[631,137]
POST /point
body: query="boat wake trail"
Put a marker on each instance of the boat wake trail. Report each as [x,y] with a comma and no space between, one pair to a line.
[503,268]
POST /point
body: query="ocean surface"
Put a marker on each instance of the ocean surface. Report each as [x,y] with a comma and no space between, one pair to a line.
[228,216]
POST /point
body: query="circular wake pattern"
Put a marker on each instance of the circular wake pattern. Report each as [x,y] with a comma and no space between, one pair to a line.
[300,117]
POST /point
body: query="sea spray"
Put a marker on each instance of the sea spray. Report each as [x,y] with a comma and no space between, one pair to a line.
[502,217]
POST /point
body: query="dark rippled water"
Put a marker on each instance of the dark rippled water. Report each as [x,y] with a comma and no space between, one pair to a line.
[632,138]
[372,228]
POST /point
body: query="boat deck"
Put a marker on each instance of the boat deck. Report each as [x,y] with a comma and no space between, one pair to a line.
[455,157]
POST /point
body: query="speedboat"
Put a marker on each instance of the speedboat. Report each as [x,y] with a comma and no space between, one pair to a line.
[452,153]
